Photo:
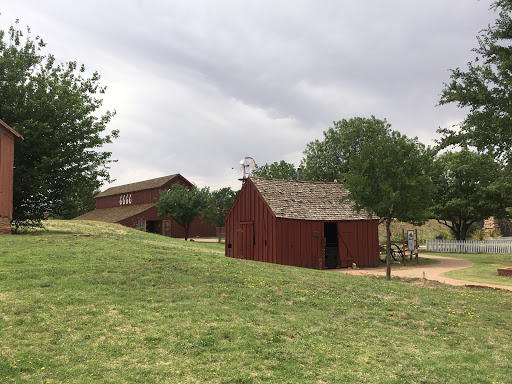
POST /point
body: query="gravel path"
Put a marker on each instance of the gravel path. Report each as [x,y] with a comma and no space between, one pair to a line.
[429,271]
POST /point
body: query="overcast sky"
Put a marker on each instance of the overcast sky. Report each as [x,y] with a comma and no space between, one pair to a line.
[198,85]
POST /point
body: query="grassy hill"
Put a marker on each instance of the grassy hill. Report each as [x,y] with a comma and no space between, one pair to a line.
[121,306]
[427,231]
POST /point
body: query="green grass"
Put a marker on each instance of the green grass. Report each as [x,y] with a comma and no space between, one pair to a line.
[485,269]
[123,306]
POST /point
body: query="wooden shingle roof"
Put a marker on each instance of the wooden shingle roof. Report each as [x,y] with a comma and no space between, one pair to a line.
[306,200]
[138,186]
[115,214]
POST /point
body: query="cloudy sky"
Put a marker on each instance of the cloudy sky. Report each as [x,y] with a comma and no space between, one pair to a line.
[199,84]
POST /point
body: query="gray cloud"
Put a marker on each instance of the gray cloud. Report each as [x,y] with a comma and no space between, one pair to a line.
[198,85]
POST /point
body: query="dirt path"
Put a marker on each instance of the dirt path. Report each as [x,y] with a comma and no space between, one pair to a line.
[429,271]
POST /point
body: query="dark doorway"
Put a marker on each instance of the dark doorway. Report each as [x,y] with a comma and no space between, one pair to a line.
[154,227]
[331,245]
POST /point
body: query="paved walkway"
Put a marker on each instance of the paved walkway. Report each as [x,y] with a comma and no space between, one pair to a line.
[428,271]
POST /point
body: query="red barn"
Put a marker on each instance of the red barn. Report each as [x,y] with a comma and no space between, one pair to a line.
[134,205]
[304,224]
[7,138]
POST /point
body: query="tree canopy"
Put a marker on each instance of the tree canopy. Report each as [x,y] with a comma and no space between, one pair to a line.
[389,177]
[484,88]
[329,159]
[281,170]
[59,165]
[469,187]
[182,204]
[217,207]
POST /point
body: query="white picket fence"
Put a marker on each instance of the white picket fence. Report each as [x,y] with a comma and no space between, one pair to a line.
[470,246]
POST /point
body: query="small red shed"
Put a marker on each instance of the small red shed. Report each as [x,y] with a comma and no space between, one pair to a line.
[299,223]
[8,137]
[134,205]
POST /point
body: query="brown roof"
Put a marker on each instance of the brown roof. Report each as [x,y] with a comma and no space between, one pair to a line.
[17,136]
[116,214]
[306,200]
[138,186]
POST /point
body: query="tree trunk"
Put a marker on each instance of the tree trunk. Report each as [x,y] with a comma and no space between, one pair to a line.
[220,234]
[388,248]
[187,227]
[457,231]
[464,230]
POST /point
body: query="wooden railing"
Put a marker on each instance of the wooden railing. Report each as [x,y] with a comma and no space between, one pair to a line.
[470,246]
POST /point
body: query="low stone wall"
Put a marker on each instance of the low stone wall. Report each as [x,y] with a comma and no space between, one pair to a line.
[5,226]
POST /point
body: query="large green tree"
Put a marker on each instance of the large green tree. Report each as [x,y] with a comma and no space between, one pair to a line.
[484,89]
[55,107]
[389,176]
[182,204]
[469,187]
[217,207]
[281,170]
[329,159]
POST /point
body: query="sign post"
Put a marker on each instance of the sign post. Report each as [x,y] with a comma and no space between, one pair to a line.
[410,240]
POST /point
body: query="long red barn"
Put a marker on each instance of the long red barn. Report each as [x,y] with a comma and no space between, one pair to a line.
[134,205]
[8,137]
[304,224]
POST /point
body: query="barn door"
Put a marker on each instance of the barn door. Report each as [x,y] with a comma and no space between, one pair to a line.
[347,245]
[246,241]
[331,245]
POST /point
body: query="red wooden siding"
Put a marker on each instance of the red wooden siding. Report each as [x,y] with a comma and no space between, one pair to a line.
[254,233]
[152,195]
[250,228]
[358,243]
[140,197]
[6,172]
[198,228]
[297,244]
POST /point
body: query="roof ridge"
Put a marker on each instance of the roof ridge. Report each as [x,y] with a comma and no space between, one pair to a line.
[297,181]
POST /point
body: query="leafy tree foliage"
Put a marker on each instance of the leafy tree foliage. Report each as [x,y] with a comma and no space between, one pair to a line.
[183,205]
[484,88]
[218,205]
[329,159]
[281,170]
[469,187]
[59,165]
[389,177]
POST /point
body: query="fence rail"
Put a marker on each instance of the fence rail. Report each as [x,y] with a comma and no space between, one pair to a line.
[470,246]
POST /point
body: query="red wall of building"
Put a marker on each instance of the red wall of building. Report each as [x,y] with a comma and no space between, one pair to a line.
[251,227]
[254,233]
[358,242]
[198,228]
[297,244]
[6,172]
[139,197]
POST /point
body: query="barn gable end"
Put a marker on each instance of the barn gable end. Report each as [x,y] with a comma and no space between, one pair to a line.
[308,224]
[252,227]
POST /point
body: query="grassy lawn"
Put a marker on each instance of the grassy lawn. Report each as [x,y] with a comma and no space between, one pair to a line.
[123,306]
[484,270]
